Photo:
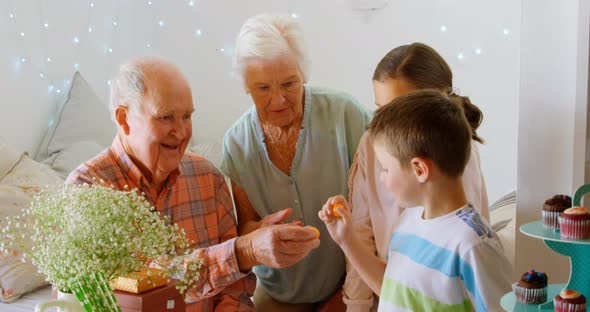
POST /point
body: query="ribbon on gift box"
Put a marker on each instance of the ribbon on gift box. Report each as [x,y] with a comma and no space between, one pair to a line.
[138,282]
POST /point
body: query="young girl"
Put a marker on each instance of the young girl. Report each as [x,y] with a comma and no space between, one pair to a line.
[404,69]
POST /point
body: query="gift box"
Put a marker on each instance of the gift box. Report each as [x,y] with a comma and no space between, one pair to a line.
[165,298]
[138,282]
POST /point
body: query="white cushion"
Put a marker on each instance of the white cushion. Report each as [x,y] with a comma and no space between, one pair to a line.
[69,158]
[18,186]
[16,277]
[503,222]
[83,117]
[9,157]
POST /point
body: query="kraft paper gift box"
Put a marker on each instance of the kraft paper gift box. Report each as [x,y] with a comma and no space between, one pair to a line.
[160,299]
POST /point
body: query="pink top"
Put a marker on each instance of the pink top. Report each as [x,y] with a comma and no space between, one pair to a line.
[375,212]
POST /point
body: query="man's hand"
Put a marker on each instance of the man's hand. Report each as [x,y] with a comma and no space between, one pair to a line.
[337,216]
[276,246]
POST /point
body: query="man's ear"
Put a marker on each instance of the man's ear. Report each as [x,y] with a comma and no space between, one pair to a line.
[121,114]
[422,168]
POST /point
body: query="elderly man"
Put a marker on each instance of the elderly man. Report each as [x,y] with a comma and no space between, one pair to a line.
[151,104]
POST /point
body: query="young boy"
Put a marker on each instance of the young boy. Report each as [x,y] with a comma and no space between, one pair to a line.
[442,256]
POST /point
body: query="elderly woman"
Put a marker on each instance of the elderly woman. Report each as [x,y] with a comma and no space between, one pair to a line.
[288,154]
[152,106]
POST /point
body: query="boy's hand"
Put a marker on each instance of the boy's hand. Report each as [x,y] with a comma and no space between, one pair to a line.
[336,215]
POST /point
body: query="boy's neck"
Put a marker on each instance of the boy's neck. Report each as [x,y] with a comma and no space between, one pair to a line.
[443,196]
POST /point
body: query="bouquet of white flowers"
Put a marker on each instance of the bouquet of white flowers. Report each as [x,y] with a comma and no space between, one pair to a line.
[78,235]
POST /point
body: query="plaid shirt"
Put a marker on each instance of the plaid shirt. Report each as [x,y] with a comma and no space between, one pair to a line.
[198,200]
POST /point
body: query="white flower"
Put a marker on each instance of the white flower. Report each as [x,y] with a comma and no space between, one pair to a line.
[79,230]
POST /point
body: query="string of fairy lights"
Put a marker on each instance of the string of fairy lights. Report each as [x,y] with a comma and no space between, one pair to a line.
[58,86]
[42,66]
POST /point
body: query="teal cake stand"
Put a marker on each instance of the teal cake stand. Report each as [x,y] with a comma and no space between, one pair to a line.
[509,302]
[577,250]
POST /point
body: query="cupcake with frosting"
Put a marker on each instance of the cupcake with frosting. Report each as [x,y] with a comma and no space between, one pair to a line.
[574,223]
[552,208]
[531,288]
[569,301]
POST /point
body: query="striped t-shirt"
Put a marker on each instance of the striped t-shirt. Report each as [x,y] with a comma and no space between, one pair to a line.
[450,263]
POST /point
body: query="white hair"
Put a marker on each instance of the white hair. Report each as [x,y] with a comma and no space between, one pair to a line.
[127,87]
[268,36]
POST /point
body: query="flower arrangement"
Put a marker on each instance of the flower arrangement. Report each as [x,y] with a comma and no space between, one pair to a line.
[79,234]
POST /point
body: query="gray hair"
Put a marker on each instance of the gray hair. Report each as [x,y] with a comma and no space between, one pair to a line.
[267,36]
[127,87]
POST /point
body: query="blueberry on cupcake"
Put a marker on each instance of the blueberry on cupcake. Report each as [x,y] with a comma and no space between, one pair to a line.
[531,288]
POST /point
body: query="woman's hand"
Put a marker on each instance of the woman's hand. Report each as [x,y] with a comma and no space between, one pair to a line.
[278,218]
[337,216]
[248,218]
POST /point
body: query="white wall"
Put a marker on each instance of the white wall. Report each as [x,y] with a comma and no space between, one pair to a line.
[552,118]
[345,46]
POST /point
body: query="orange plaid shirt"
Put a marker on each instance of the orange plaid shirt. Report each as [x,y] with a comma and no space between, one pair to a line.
[198,200]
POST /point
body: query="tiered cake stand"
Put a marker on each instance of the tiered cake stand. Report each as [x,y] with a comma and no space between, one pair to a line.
[577,250]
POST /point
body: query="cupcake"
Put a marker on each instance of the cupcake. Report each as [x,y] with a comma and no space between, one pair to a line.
[574,223]
[569,301]
[531,288]
[552,208]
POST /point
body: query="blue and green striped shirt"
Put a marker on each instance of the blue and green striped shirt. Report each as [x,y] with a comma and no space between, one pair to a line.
[451,263]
